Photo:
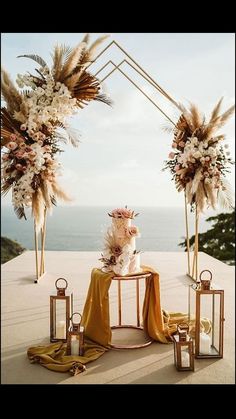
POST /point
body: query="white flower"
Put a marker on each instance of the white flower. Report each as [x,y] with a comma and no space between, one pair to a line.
[197,155]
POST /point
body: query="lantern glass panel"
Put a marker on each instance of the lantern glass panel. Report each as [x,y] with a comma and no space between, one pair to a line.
[210,309]
[59,318]
[185,357]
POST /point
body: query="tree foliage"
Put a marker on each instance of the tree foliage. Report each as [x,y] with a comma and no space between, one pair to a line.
[10,249]
[219,241]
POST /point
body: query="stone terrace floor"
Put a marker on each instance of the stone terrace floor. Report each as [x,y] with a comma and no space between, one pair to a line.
[25,321]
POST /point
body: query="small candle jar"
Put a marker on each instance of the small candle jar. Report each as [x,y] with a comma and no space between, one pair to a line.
[183,349]
[75,343]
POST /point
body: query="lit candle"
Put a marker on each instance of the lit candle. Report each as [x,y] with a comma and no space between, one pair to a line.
[60,330]
[185,359]
[205,343]
[74,346]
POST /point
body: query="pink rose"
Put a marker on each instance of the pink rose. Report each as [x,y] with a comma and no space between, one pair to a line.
[19,154]
[13,137]
[19,166]
[12,145]
[171,155]
[131,231]
[174,145]
[177,167]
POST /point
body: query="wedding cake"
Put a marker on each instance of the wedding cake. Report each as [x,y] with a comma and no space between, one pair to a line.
[120,254]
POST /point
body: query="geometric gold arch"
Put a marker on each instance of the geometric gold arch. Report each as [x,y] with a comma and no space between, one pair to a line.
[192,271]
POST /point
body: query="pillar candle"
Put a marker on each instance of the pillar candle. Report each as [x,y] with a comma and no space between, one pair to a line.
[185,359]
[75,346]
[61,330]
[205,343]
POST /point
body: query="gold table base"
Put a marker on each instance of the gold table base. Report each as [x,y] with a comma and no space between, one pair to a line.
[126,326]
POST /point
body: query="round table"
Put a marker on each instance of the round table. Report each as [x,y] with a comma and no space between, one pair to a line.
[136,278]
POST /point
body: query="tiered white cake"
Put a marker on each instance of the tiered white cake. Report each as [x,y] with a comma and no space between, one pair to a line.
[120,254]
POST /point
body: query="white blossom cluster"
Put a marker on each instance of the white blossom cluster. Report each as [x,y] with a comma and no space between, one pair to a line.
[208,154]
[45,105]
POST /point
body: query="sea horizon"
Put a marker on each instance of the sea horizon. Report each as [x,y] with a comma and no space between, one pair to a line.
[82,228]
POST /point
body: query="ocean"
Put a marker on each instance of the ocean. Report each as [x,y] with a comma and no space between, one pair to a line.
[83,228]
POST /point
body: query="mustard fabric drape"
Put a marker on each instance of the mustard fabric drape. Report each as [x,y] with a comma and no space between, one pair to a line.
[158,324]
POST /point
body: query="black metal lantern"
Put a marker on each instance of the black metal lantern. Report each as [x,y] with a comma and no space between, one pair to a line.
[75,342]
[59,313]
[183,349]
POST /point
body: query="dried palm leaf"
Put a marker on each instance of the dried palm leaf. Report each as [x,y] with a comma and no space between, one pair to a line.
[72,61]
[196,117]
[69,135]
[104,98]
[71,81]
[59,193]
[59,56]
[46,194]
[10,93]
[94,46]
[20,212]
[226,195]
[34,57]
[189,195]
[196,180]
[88,55]
[211,195]
[5,188]
[215,112]
[38,207]
[86,38]
[72,135]
[225,116]
[218,122]
[87,88]
[200,197]
[8,122]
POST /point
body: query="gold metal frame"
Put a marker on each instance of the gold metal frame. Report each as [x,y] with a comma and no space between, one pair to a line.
[128,326]
[40,264]
[192,265]
[135,66]
[192,271]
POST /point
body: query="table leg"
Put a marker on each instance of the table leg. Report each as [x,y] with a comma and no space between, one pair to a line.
[137,302]
[119,302]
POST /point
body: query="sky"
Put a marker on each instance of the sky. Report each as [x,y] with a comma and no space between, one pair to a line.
[121,154]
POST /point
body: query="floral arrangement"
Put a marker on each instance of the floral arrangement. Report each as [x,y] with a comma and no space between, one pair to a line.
[200,160]
[123,213]
[33,120]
